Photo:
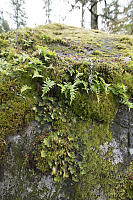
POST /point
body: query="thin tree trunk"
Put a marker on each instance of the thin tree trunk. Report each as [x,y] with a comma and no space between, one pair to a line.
[82,20]
[17,14]
[48,12]
[94,15]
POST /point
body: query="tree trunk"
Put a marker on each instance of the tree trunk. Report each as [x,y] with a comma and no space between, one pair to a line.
[49,11]
[82,20]
[94,15]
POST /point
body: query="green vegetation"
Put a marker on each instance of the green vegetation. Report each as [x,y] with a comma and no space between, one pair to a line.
[50,81]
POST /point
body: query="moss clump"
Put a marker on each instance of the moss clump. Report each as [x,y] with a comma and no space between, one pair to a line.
[126,40]
[15,110]
[97,53]
[128,79]
[89,108]
[4,43]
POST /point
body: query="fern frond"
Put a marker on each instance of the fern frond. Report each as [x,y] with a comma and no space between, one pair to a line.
[25,87]
[77,82]
[36,74]
[65,88]
[69,88]
[85,86]
[5,72]
[104,85]
[73,92]
[78,75]
[47,85]
[95,87]
[34,62]
[44,52]
[120,91]
[71,71]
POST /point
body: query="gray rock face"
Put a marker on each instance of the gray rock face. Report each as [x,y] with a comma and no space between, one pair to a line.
[122,131]
[18,184]
[15,182]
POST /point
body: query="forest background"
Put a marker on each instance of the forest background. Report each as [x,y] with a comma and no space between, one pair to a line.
[108,15]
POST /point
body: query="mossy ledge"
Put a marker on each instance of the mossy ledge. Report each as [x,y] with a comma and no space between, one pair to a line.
[73,80]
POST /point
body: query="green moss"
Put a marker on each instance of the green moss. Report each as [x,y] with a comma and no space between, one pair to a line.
[128,80]
[15,111]
[55,27]
[49,39]
[96,52]
[4,43]
[12,116]
[89,107]
[126,40]
[115,186]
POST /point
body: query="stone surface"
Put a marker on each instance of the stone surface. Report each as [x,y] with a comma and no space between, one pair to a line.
[122,131]
[17,183]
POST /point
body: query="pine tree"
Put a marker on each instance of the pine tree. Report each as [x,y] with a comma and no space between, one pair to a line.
[112,16]
[118,18]
[128,18]
[19,15]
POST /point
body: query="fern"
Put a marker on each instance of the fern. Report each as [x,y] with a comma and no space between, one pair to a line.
[34,62]
[71,89]
[36,74]
[104,86]
[65,88]
[85,86]
[78,75]
[95,87]
[47,85]
[78,81]
[120,91]
[24,88]
[99,85]
[71,71]
[45,53]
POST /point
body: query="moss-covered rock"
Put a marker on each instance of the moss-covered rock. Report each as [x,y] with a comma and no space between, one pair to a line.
[74,80]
